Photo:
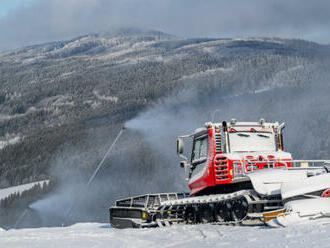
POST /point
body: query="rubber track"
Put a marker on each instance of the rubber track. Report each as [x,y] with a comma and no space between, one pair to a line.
[171,212]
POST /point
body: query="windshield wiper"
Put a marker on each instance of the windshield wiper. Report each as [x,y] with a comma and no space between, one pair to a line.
[262,135]
[243,134]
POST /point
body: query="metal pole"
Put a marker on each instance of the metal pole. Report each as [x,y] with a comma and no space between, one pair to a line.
[20,218]
[105,156]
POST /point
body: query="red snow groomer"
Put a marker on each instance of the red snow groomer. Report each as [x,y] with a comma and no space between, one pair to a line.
[221,152]
[236,172]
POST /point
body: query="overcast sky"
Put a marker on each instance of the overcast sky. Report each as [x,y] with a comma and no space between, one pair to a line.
[26,22]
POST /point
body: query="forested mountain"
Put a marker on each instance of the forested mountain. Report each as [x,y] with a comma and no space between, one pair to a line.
[62,104]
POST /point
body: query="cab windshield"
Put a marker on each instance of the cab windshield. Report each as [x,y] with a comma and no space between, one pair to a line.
[252,141]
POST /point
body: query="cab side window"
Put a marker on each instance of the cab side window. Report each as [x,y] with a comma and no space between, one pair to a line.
[200,148]
[199,155]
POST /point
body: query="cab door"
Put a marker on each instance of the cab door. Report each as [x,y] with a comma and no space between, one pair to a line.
[199,156]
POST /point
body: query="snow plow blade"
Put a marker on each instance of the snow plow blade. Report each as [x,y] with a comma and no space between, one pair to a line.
[299,211]
[269,182]
[315,185]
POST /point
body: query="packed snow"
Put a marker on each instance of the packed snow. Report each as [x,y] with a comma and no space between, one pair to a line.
[313,234]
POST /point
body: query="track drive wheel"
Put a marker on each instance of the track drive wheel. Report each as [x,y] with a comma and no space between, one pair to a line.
[190,215]
[239,209]
[205,214]
[222,212]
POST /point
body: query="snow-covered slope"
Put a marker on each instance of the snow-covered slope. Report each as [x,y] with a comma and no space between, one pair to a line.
[314,234]
[19,189]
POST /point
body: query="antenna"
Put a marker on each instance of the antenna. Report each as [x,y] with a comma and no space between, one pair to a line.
[214,113]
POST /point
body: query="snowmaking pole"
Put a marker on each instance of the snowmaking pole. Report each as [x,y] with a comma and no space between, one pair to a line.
[98,167]
[105,156]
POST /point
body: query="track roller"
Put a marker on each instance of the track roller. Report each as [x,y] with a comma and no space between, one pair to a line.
[239,209]
[222,212]
[190,215]
[205,213]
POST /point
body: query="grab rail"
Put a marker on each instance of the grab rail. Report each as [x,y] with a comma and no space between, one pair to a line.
[241,168]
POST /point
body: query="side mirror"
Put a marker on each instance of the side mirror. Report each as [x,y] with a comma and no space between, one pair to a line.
[180,150]
[186,166]
[180,146]
[183,164]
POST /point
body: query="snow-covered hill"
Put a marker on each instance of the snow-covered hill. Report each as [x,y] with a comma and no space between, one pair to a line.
[19,189]
[315,234]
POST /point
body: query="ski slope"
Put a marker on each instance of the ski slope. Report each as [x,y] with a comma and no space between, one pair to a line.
[19,189]
[311,234]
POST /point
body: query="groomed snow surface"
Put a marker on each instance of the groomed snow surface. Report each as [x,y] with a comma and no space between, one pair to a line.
[311,234]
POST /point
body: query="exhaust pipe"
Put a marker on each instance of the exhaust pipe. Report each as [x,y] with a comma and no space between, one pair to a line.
[280,136]
[225,131]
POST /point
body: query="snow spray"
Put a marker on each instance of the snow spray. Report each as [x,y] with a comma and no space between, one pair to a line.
[91,179]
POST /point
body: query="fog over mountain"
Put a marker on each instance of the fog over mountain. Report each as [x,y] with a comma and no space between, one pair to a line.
[41,21]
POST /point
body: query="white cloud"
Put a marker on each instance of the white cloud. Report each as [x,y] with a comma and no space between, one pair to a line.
[61,19]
